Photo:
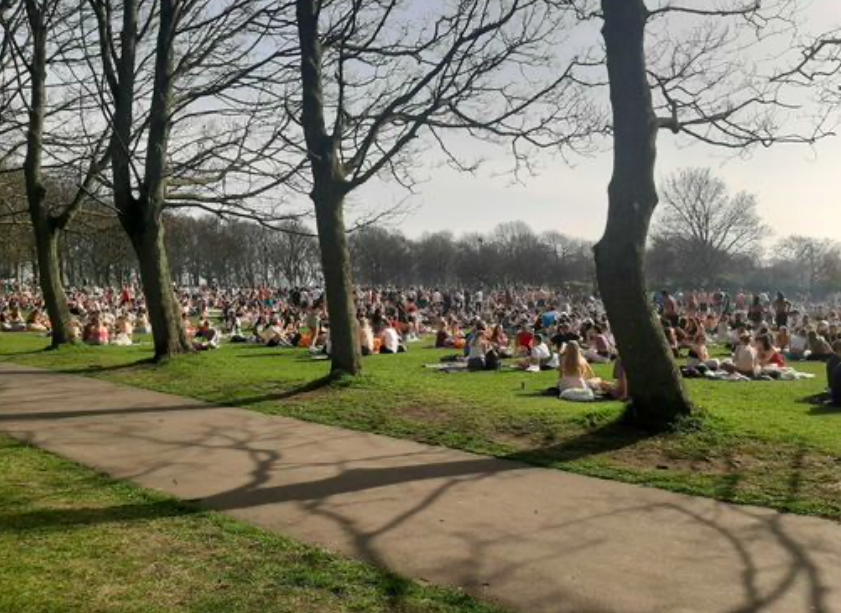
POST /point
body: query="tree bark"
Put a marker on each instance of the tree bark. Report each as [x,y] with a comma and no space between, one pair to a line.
[328,194]
[169,336]
[345,350]
[55,298]
[140,215]
[658,396]
[46,229]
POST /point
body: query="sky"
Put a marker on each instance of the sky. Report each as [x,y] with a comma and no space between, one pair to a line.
[798,187]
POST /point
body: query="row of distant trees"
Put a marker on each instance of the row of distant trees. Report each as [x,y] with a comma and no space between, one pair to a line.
[703,237]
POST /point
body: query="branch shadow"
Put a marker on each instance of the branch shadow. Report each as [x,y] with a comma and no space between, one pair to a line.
[264,484]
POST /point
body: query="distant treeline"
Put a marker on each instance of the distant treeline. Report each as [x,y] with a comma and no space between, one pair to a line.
[235,253]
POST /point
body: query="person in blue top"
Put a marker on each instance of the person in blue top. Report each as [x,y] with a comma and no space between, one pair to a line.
[549,318]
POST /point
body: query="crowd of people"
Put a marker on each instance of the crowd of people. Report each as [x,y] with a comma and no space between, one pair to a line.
[532,329]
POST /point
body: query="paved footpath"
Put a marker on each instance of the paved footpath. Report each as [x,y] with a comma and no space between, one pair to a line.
[532,539]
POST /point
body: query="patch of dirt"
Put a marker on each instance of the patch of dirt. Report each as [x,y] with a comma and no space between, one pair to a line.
[656,457]
[423,413]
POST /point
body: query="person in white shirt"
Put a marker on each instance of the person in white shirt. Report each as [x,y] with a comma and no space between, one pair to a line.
[391,340]
[798,344]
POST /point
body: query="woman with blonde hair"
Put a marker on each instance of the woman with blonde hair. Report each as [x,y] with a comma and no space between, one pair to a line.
[574,371]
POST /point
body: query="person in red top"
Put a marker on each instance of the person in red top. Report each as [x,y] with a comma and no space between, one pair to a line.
[524,340]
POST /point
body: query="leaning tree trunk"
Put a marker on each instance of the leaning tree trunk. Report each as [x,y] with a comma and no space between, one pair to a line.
[168,334]
[345,351]
[658,396]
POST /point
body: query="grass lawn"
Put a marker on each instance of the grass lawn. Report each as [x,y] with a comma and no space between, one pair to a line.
[72,540]
[766,443]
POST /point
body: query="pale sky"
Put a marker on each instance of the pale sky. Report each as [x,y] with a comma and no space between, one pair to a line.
[799,188]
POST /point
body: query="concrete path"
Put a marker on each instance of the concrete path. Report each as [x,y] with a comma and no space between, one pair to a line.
[532,539]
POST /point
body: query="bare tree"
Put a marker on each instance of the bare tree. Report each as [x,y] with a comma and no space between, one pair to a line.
[62,156]
[377,76]
[813,261]
[705,224]
[692,84]
[182,83]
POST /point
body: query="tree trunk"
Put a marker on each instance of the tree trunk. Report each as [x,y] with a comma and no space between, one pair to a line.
[169,336]
[345,350]
[328,194]
[55,299]
[46,266]
[658,396]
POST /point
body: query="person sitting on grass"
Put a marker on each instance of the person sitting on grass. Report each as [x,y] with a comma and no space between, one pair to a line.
[189,328]
[574,372]
[391,340]
[618,389]
[123,331]
[141,323]
[798,348]
[14,321]
[539,355]
[272,335]
[96,332]
[478,348]
[366,335]
[443,339]
[207,337]
[524,341]
[698,352]
[744,358]
[601,343]
[37,322]
[819,349]
[499,341]
[767,355]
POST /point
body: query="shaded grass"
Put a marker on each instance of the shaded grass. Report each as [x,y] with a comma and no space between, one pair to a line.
[767,443]
[72,540]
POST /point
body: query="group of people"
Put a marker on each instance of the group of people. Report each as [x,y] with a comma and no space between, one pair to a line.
[536,328]
[764,335]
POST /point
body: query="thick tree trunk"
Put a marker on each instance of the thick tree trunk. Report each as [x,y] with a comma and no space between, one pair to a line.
[55,299]
[345,350]
[169,336]
[658,397]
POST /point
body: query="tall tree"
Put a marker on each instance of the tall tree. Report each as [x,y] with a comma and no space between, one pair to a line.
[707,225]
[182,82]
[377,76]
[44,50]
[698,94]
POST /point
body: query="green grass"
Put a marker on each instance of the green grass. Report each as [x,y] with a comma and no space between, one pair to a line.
[72,540]
[766,443]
